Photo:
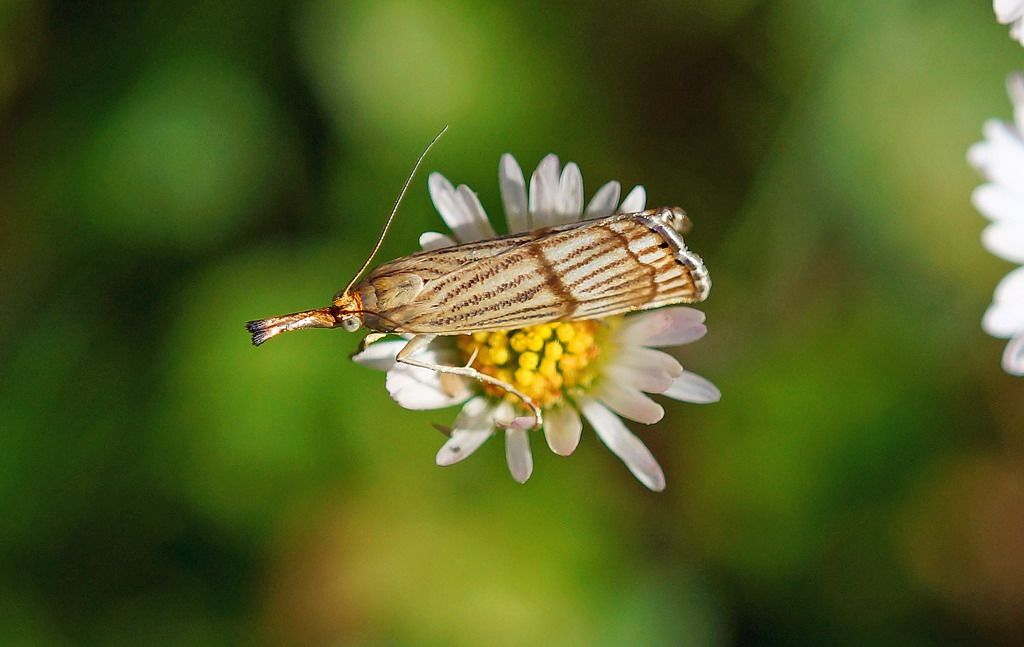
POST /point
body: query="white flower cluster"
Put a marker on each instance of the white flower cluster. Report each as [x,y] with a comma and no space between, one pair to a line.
[1000,159]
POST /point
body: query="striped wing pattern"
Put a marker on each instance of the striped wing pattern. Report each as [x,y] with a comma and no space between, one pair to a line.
[585,270]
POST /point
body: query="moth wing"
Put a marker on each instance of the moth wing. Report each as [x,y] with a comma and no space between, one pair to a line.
[434,263]
[587,270]
[397,289]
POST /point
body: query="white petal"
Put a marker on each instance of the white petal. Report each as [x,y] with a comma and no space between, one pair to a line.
[999,202]
[1001,156]
[471,205]
[648,358]
[1015,88]
[604,201]
[544,192]
[433,240]
[562,428]
[517,443]
[635,200]
[1008,11]
[519,422]
[1011,287]
[611,430]
[472,427]
[677,336]
[629,402]
[1005,317]
[517,454]
[380,356]
[1000,320]
[667,323]
[1004,320]
[466,224]
[420,388]
[1005,239]
[646,378]
[690,387]
[513,194]
[570,195]
[1013,356]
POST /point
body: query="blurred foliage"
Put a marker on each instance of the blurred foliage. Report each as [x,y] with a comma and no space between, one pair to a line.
[170,170]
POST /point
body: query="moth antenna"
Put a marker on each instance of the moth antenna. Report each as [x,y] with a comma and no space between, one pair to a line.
[394,210]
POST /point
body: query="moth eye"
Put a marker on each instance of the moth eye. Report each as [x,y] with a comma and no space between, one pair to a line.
[351,324]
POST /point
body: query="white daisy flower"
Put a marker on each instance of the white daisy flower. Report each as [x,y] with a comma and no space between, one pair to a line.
[1011,12]
[1000,158]
[600,370]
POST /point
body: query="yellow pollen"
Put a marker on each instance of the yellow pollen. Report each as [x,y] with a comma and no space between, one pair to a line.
[545,362]
[553,350]
[498,355]
[518,342]
[529,360]
[524,377]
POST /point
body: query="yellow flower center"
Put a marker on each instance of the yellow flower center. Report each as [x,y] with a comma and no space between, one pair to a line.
[545,362]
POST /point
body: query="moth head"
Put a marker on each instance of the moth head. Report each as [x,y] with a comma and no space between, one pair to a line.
[347,311]
[678,219]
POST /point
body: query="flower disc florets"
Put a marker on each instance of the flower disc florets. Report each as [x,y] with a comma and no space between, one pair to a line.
[546,362]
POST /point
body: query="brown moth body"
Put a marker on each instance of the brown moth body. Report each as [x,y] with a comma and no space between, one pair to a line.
[584,270]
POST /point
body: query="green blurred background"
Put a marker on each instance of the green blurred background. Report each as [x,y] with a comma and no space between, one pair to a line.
[170,170]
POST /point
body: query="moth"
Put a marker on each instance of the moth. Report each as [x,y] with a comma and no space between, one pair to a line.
[584,270]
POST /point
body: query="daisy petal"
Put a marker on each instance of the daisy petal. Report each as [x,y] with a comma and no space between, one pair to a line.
[513,194]
[472,427]
[544,192]
[678,336]
[1008,11]
[1013,356]
[570,195]
[645,378]
[517,443]
[1011,288]
[432,240]
[1005,239]
[629,402]
[1003,320]
[646,358]
[667,323]
[471,205]
[380,356]
[466,224]
[999,202]
[1005,317]
[690,387]
[562,428]
[413,387]
[604,201]
[517,454]
[613,433]
[1001,156]
[634,201]
[1015,88]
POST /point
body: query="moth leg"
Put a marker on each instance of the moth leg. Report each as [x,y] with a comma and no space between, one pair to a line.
[369,339]
[419,342]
